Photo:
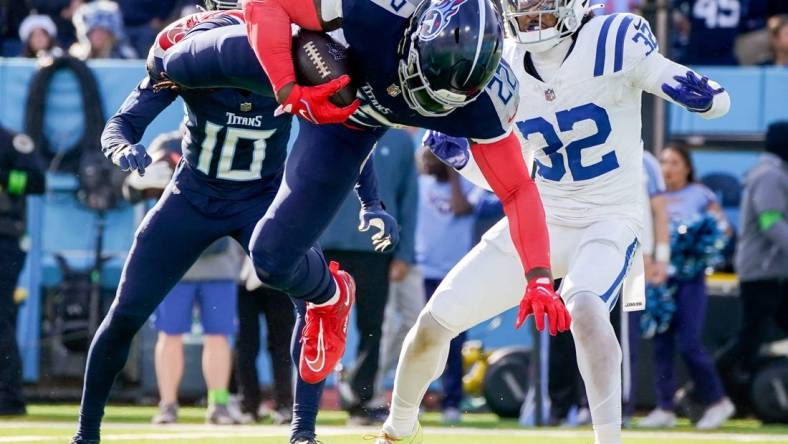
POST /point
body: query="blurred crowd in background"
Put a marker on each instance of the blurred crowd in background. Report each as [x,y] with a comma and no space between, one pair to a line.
[705,32]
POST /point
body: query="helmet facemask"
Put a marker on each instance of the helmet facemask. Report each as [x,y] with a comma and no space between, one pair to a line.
[416,88]
[567,16]
[222,5]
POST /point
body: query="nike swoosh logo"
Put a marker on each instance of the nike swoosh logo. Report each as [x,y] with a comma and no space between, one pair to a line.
[347,292]
[320,357]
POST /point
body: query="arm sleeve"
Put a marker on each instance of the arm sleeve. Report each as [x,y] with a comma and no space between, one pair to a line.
[504,168]
[128,125]
[655,70]
[268,23]
[408,208]
[767,197]
[367,184]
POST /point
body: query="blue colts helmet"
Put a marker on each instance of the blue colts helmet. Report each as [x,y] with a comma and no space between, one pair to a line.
[449,53]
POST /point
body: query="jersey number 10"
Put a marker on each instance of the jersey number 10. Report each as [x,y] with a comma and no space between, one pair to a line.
[566,122]
[227,154]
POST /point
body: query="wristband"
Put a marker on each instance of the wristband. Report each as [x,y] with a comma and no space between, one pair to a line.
[662,252]
[17,182]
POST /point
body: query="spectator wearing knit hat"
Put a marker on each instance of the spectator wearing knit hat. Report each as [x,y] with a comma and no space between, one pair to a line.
[100,32]
[38,34]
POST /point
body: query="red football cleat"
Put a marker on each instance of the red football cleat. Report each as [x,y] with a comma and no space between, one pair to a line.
[325,330]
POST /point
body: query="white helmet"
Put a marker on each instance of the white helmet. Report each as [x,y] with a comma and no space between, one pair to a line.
[569,15]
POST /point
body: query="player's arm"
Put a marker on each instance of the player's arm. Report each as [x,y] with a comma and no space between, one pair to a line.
[268,24]
[769,203]
[658,75]
[373,213]
[504,168]
[123,131]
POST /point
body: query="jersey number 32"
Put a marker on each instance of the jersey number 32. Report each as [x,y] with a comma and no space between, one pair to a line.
[574,150]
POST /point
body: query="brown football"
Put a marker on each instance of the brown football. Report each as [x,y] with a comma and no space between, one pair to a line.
[318,58]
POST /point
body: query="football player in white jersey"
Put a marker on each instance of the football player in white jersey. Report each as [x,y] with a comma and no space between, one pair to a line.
[581,79]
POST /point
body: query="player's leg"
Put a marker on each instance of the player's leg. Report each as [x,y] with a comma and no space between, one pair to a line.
[321,170]
[218,303]
[307,396]
[169,240]
[487,281]
[590,290]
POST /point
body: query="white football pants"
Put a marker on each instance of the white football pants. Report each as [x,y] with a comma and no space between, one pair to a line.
[593,262]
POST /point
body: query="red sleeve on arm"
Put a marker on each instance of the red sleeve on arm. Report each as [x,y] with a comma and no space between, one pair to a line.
[268,26]
[503,166]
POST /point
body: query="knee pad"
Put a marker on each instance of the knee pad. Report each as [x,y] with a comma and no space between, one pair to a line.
[270,271]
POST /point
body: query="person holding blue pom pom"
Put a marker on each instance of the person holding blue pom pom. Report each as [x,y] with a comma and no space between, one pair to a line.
[696,215]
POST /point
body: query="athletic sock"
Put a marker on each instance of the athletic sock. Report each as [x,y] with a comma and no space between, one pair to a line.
[608,433]
[333,300]
[218,396]
[306,396]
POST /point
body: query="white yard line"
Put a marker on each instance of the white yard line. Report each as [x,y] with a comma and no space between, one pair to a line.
[196,431]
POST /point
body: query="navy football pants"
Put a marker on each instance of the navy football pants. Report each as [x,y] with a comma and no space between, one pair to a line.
[321,170]
[170,239]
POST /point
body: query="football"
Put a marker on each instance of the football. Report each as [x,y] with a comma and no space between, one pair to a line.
[318,58]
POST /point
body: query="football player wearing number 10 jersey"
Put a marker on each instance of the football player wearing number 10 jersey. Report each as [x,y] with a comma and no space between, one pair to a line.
[234,153]
[581,79]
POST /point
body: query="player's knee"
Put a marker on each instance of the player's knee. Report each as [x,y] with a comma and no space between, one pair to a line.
[590,319]
[270,271]
[428,335]
[119,323]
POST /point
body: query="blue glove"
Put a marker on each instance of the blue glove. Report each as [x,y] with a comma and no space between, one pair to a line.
[388,231]
[453,151]
[692,91]
[132,157]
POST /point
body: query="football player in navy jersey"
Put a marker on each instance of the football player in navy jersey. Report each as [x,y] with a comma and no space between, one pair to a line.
[433,64]
[234,154]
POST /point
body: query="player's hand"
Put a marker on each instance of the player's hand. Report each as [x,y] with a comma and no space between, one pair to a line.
[453,151]
[692,91]
[541,299]
[388,231]
[131,158]
[311,102]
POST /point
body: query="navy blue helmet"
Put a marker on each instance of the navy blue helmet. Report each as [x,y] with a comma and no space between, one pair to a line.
[449,53]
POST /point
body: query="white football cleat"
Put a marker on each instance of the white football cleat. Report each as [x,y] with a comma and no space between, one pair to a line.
[658,418]
[384,438]
[716,414]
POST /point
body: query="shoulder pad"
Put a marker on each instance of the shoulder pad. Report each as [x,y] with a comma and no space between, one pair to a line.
[622,42]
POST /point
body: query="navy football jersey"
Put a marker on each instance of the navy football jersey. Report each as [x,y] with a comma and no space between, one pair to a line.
[373,29]
[231,136]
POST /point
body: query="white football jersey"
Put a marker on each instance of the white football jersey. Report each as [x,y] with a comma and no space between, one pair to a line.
[583,126]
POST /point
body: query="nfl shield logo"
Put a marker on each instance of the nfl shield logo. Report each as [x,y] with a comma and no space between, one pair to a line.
[246,107]
[393,90]
[549,95]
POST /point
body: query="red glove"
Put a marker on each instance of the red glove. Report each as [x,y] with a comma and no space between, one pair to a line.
[311,102]
[540,298]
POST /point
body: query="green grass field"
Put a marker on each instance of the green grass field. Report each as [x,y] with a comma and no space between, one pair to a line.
[56,423]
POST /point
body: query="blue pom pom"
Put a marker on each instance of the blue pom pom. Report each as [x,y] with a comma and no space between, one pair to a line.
[696,246]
